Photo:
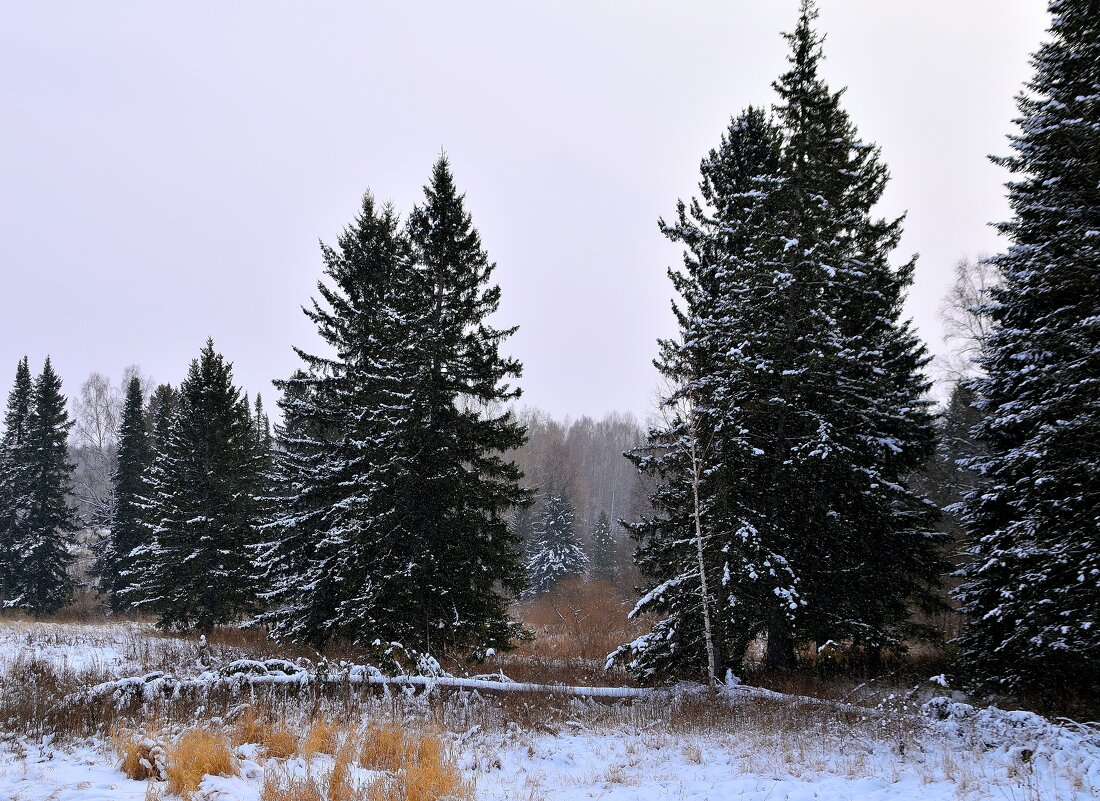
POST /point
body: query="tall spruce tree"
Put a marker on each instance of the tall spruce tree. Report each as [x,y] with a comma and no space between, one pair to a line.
[44,537]
[127,529]
[13,478]
[339,554]
[395,487]
[462,486]
[1032,590]
[202,509]
[557,552]
[796,404]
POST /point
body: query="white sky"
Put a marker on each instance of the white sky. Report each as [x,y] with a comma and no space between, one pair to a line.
[167,169]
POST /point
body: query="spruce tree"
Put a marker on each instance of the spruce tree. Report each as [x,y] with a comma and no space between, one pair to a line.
[158,414]
[462,485]
[13,478]
[796,404]
[557,553]
[44,536]
[1032,590]
[603,550]
[127,529]
[197,566]
[395,486]
[337,555]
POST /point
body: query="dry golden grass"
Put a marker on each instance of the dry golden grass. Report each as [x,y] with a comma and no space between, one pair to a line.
[278,740]
[434,774]
[323,738]
[385,747]
[196,754]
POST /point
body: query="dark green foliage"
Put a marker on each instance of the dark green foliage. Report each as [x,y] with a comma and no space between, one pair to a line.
[44,535]
[797,400]
[127,530]
[556,553]
[13,479]
[396,492]
[1032,590]
[202,507]
[158,414]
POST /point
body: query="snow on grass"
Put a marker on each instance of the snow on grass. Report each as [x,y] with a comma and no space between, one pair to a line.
[667,746]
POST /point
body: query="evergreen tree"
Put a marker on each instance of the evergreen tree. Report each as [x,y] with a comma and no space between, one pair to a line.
[557,553]
[127,529]
[337,554]
[197,568]
[396,489]
[796,404]
[462,486]
[13,478]
[158,414]
[44,537]
[603,550]
[1032,590]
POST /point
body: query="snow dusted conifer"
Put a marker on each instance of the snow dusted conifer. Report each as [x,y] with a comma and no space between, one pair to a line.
[795,406]
[603,550]
[464,484]
[44,536]
[13,478]
[127,531]
[396,489]
[201,507]
[1032,589]
[338,551]
[158,414]
[556,553]
[868,399]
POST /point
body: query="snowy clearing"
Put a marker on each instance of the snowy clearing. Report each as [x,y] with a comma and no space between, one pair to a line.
[667,746]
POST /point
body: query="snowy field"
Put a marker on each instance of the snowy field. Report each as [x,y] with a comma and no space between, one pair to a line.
[670,746]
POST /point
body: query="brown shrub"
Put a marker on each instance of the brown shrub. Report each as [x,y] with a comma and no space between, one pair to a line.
[578,619]
[140,757]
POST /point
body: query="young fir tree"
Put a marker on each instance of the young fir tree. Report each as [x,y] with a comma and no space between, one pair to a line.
[13,479]
[603,550]
[202,509]
[796,405]
[127,529]
[557,553]
[1032,591]
[44,537]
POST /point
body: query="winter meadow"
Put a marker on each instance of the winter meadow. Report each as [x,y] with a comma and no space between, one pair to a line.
[823,565]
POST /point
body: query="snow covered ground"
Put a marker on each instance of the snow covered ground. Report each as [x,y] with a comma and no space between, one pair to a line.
[758,751]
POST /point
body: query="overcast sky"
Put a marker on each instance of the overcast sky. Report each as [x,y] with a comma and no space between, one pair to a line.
[166,170]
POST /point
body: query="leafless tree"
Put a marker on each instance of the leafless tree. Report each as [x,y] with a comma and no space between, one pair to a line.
[964,313]
[94,442]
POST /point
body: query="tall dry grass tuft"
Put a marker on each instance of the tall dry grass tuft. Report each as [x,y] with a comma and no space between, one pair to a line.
[434,774]
[323,737]
[385,747]
[198,753]
[278,740]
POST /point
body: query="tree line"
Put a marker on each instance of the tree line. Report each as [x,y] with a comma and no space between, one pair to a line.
[797,487]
